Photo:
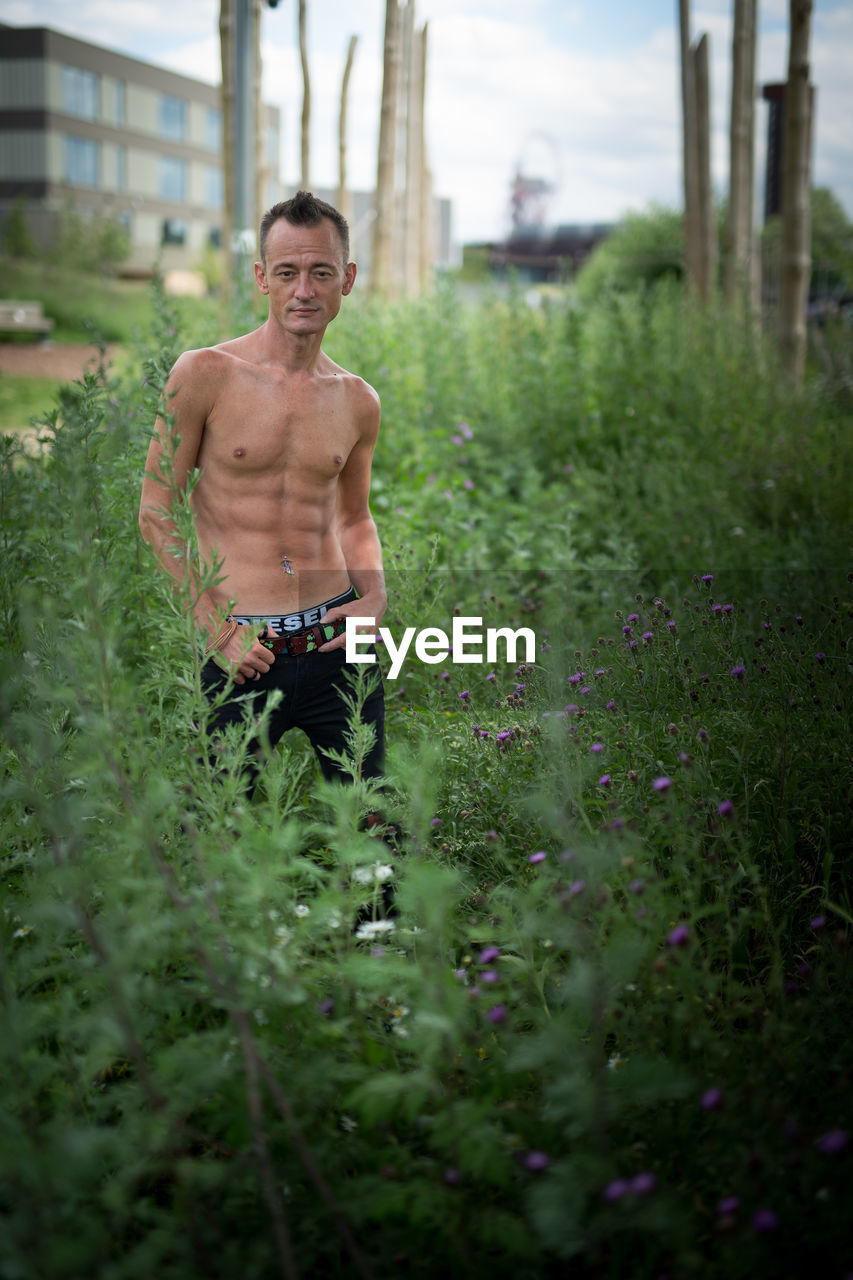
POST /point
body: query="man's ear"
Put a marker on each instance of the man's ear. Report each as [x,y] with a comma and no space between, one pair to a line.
[349,278]
[261,277]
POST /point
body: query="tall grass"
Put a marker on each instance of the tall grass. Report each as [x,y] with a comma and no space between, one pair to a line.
[607,1032]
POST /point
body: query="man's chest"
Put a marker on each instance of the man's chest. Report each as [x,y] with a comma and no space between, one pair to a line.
[261,425]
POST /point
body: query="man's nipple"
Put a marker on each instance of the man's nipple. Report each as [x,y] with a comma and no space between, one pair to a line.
[338,459]
[240,451]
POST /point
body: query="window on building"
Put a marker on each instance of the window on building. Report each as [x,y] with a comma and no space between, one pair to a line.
[121,102]
[213,187]
[173,118]
[174,231]
[214,237]
[121,168]
[80,93]
[213,129]
[82,161]
[173,178]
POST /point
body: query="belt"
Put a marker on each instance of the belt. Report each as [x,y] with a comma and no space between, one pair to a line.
[306,641]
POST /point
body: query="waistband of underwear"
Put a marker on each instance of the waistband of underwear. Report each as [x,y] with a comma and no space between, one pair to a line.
[287,624]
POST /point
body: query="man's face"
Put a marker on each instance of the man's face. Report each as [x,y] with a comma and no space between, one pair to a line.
[304,275]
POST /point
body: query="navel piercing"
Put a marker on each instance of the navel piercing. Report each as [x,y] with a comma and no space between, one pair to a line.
[286,566]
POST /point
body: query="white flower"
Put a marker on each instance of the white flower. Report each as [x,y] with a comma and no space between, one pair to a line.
[335,919]
[301,910]
[348,1124]
[23,931]
[374,928]
[379,871]
[615,1062]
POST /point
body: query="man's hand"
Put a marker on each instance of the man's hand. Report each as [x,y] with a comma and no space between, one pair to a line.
[244,657]
[371,605]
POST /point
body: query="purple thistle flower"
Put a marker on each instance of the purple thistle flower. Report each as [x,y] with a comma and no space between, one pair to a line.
[457,440]
[707,578]
[738,672]
[539,856]
[818,922]
[488,954]
[633,617]
[491,676]
[820,657]
[435,822]
[490,975]
[679,937]
[451,1177]
[615,1190]
[497,1013]
[597,748]
[466,431]
[764,1220]
[642,1183]
[468,483]
[627,631]
[465,695]
[724,808]
[604,780]
[637,886]
[662,784]
[711,1099]
[326,1006]
[833,1142]
[648,636]
[611,705]
[536,1161]
[576,887]
[729,1204]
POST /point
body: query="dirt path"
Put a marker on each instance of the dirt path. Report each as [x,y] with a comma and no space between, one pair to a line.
[48,360]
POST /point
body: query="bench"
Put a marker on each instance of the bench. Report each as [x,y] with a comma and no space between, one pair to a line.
[24,317]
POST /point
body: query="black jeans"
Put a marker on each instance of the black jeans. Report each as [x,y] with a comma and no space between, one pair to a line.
[312,685]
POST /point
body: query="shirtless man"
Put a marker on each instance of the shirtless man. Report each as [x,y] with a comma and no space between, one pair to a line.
[283,439]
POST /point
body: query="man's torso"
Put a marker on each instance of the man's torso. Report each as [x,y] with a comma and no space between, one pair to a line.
[270,457]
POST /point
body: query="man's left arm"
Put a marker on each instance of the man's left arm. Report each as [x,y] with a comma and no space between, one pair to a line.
[356,528]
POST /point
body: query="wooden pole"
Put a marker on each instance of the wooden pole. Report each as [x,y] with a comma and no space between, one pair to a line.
[382,258]
[305,163]
[796,213]
[226,96]
[741,275]
[692,241]
[425,235]
[707,257]
[344,196]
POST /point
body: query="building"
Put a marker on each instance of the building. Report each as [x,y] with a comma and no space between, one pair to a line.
[86,128]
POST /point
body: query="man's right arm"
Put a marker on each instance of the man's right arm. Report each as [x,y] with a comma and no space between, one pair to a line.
[172,455]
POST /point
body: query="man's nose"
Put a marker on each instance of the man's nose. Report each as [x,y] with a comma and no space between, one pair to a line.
[305,286]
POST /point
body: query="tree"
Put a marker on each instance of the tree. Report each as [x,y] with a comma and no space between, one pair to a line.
[796,156]
[17,239]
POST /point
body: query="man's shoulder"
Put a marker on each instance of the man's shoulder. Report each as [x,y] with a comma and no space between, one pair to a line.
[363,396]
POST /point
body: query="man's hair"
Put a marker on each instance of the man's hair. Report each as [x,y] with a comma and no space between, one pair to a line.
[304,210]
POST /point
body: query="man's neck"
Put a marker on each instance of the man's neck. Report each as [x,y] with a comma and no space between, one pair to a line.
[294,353]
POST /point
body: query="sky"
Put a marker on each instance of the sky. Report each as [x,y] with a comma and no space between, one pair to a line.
[583,94]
